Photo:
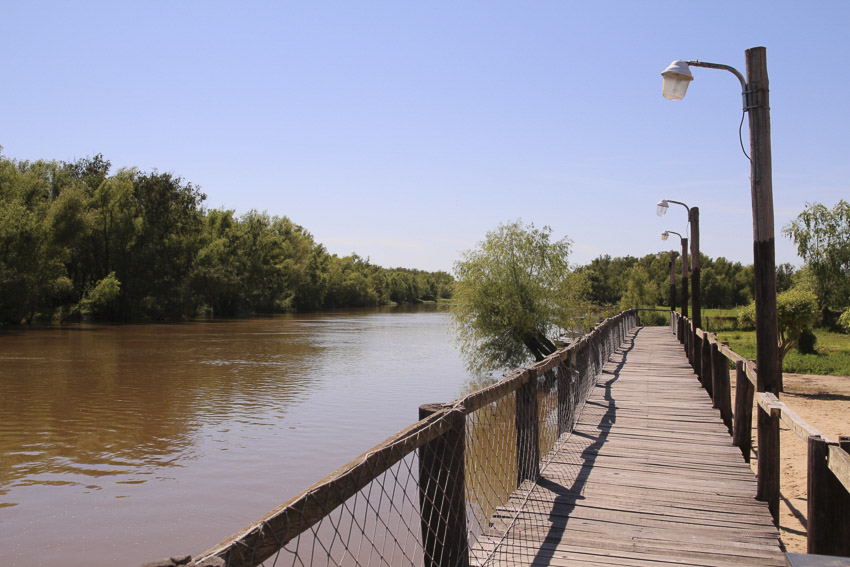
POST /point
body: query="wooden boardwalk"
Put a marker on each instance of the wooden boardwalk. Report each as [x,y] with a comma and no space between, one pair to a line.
[649,477]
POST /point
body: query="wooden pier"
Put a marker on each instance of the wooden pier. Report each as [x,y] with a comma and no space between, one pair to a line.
[608,452]
[648,477]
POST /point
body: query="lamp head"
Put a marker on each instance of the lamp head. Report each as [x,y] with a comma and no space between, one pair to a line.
[661,208]
[676,76]
[665,235]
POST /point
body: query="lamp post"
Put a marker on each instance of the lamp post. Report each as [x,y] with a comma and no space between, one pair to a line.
[664,236]
[693,220]
[755,92]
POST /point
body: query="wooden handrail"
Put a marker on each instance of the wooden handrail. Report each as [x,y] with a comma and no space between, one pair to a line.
[828,492]
[771,404]
[266,536]
[839,464]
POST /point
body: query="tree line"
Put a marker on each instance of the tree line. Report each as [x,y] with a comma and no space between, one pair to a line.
[822,237]
[645,281]
[516,290]
[78,241]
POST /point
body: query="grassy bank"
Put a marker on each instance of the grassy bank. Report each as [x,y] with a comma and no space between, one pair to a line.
[832,355]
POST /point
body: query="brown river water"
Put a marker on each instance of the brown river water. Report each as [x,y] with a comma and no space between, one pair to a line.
[123,444]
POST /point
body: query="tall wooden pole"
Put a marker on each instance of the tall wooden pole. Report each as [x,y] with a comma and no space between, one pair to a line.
[696,300]
[684,277]
[764,261]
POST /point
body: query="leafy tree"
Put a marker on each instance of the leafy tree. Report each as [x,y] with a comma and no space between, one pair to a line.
[822,237]
[796,309]
[784,277]
[216,274]
[101,301]
[349,283]
[30,261]
[606,277]
[512,292]
[640,291]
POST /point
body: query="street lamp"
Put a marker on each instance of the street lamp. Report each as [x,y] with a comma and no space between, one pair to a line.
[756,98]
[664,236]
[677,77]
[693,220]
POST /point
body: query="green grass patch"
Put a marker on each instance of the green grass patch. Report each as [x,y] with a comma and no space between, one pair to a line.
[832,352]
[731,312]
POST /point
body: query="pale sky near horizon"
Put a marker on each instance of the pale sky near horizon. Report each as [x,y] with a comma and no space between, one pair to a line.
[405,131]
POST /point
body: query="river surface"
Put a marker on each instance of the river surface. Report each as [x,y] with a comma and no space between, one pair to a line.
[123,444]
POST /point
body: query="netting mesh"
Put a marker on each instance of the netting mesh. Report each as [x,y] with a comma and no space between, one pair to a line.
[377,526]
[448,490]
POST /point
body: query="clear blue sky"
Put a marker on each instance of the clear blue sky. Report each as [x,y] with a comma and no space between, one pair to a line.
[404,131]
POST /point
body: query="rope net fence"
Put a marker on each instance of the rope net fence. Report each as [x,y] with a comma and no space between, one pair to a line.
[448,490]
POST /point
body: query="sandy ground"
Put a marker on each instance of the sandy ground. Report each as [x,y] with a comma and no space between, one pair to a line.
[824,403]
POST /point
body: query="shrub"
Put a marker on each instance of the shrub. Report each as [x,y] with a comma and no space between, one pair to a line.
[718,323]
[102,299]
[747,317]
[796,310]
[654,318]
[844,320]
[806,342]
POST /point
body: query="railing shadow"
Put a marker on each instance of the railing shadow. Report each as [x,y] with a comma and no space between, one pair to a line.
[567,496]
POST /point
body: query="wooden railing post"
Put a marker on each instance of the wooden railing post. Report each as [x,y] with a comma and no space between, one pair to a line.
[527,431]
[721,386]
[565,393]
[768,461]
[828,503]
[742,432]
[441,493]
[700,346]
[581,373]
[705,367]
[680,329]
[692,355]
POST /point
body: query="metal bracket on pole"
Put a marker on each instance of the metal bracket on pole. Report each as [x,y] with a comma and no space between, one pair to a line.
[744,89]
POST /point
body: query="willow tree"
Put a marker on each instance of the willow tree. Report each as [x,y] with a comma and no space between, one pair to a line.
[822,237]
[512,293]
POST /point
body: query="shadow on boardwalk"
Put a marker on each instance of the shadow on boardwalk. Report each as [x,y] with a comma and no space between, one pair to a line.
[648,477]
[564,501]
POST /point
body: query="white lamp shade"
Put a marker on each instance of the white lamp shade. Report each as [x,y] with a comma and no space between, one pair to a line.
[665,235]
[661,208]
[676,77]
